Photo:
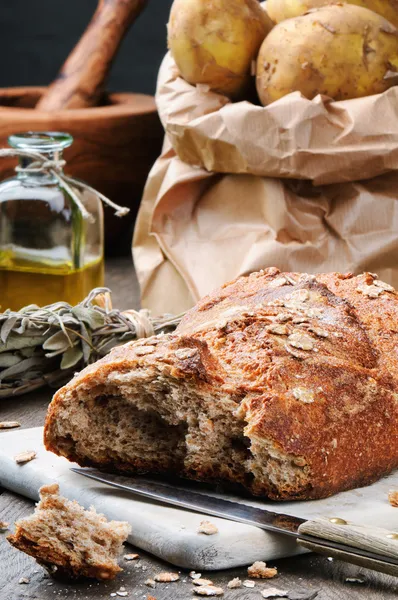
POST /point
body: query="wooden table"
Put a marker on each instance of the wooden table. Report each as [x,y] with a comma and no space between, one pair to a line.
[305,577]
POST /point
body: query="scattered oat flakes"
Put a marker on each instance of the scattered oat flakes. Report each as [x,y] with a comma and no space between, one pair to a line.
[150,582]
[24,580]
[184,353]
[393,498]
[234,583]
[249,584]
[194,575]
[278,329]
[303,394]
[131,556]
[201,581]
[372,291]
[354,580]
[259,570]
[274,593]
[208,590]
[4,525]
[142,350]
[301,340]
[9,424]
[278,282]
[383,285]
[166,577]
[319,332]
[25,457]
[207,528]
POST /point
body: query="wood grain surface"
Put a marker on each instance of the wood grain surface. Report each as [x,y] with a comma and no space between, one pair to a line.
[82,79]
[304,577]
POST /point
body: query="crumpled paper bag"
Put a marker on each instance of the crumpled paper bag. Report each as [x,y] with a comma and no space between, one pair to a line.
[282,202]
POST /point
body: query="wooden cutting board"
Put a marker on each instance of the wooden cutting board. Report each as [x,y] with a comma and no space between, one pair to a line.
[171,533]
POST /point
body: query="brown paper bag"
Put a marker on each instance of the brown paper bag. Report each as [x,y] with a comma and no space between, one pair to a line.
[197,229]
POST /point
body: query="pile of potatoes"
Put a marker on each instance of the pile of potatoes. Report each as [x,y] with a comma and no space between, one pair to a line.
[346,49]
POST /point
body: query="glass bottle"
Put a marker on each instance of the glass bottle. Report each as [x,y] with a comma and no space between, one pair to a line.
[49,251]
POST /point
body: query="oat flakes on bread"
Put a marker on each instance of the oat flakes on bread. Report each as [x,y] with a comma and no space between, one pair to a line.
[275,381]
[67,540]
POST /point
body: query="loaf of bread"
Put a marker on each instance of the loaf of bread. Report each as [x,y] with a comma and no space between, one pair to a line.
[284,383]
[67,540]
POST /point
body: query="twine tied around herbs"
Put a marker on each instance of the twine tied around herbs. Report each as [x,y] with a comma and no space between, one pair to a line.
[42,164]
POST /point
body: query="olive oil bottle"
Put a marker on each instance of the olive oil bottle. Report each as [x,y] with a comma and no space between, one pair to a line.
[51,246]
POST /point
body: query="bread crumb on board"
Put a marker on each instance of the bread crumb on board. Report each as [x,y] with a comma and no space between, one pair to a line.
[209,590]
[393,498]
[201,581]
[24,457]
[234,583]
[249,584]
[24,580]
[274,593]
[4,525]
[166,577]
[9,424]
[259,570]
[207,528]
[194,575]
[131,557]
[150,583]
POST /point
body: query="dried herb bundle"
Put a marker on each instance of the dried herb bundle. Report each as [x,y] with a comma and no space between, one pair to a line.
[45,346]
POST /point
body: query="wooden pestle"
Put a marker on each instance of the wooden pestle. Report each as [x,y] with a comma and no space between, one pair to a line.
[81,81]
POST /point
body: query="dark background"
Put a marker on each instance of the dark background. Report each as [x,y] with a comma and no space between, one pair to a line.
[36,36]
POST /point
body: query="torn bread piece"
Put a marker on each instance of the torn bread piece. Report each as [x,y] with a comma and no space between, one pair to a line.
[69,541]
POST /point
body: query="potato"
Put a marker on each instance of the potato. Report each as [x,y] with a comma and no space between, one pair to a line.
[342,51]
[279,10]
[214,42]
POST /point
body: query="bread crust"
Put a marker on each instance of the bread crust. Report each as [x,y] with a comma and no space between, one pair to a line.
[310,362]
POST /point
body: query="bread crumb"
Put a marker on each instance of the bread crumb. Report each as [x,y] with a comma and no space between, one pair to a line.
[234,583]
[201,581]
[4,525]
[166,577]
[209,590]
[25,457]
[194,575]
[393,498]
[51,489]
[249,584]
[274,593]
[207,528]
[123,594]
[150,583]
[24,580]
[259,570]
[131,556]
[354,580]
[9,424]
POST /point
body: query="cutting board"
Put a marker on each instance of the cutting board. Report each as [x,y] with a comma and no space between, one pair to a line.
[171,533]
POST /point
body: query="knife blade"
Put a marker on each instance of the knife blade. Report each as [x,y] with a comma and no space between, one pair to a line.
[373,548]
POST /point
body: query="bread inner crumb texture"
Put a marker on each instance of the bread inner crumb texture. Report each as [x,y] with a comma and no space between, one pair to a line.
[141,420]
[78,542]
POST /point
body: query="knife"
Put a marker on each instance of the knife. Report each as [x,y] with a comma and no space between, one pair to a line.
[370,547]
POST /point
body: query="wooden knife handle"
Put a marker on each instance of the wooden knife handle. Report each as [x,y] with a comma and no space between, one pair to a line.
[80,83]
[372,539]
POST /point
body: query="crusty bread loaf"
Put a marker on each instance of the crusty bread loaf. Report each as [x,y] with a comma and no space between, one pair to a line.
[69,541]
[284,383]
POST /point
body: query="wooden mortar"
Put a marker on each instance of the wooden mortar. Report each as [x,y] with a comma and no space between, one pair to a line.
[115,143]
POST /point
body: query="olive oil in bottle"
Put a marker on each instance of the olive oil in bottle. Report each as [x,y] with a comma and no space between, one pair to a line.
[49,250]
